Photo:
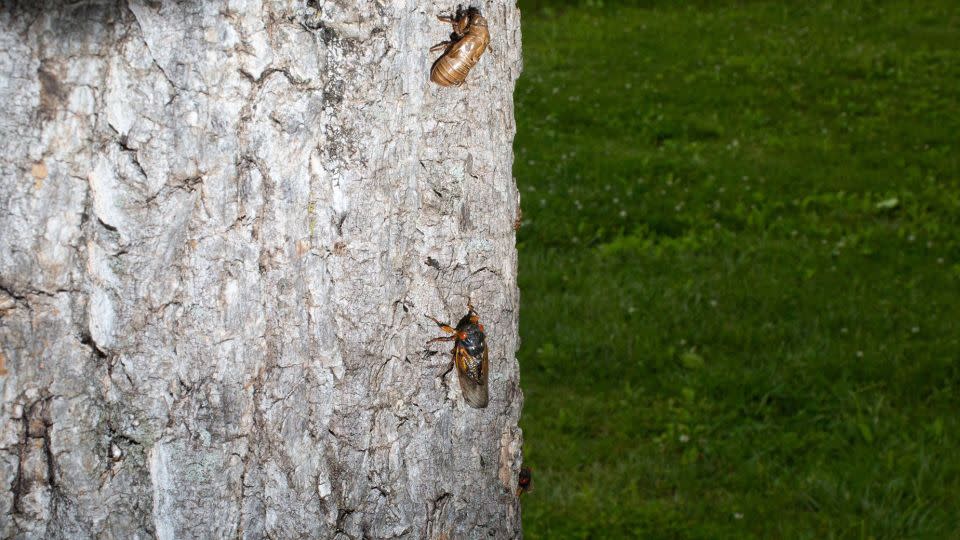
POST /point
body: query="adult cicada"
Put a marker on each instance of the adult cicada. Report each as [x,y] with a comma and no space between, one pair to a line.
[469,356]
[467,43]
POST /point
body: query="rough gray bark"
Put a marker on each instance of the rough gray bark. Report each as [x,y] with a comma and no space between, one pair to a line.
[221,225]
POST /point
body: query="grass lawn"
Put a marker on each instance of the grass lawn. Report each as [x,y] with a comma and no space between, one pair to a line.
[740,269]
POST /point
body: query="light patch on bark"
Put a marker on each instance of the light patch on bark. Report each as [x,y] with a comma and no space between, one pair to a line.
[164,492]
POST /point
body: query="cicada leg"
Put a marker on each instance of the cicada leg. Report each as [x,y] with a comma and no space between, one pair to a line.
[440,46]
[458,21]
[443,326]
[448,329]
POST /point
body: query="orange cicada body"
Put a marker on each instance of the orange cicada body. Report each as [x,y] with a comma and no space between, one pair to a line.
[468,41]
[470,356]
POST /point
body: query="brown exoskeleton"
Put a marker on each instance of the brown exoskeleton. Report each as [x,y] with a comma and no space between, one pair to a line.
[470,38]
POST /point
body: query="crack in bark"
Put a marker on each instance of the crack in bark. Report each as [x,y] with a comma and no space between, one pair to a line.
[122,142]
[435,513]
[23,294]
[302,84]
[34,445]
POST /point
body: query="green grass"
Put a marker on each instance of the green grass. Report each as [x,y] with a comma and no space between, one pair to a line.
[740,268]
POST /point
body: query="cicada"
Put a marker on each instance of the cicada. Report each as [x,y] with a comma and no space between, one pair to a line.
[524,481]
[468,41]
[469,356]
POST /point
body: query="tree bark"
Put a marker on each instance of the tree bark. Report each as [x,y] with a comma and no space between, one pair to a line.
[221,226]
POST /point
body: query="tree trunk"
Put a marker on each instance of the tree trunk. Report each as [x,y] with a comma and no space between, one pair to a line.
[221,226]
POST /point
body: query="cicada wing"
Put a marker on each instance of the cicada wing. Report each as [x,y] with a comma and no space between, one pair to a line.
[485,369]
[475,392]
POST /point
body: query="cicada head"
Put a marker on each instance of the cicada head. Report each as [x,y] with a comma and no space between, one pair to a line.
[463,19]
[475,18]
